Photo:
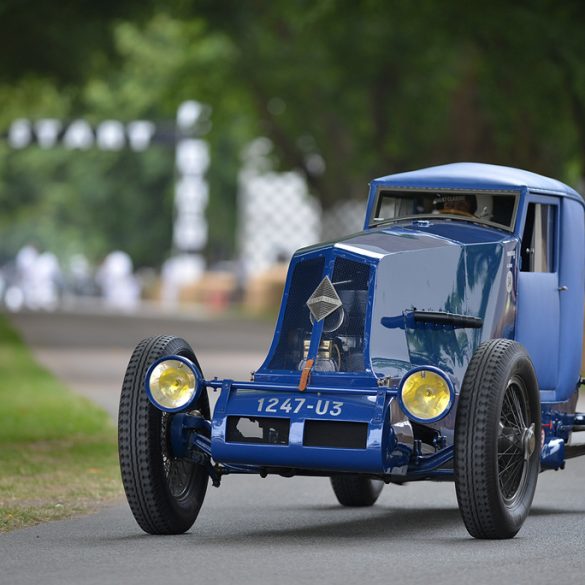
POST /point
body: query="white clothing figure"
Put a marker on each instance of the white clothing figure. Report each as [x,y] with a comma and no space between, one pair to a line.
[42,290]
[178,272]
[120,288]
[24,281]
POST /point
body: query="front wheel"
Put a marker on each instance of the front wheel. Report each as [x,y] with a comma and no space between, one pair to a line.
[165,493]
[497,440]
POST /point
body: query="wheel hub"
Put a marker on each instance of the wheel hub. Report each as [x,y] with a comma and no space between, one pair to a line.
[529,441]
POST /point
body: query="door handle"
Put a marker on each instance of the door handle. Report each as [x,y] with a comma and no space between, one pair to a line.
[563,288]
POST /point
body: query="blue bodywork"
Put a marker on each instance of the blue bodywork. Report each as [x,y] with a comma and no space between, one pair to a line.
[421,292]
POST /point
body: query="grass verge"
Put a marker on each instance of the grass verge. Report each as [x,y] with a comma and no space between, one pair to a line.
[57,449]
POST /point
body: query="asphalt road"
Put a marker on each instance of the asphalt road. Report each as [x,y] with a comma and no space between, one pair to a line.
[276,530]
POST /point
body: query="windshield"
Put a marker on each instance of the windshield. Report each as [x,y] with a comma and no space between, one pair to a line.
[484,206]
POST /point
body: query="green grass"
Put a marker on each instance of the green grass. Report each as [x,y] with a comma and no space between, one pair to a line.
[57,450]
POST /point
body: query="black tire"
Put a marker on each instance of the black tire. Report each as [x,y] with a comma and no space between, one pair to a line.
[497,440]
[165,494]
[356,491]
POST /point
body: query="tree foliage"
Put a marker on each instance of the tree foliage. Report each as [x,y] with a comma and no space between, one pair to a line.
[64,41]
[382,86]
[345,90]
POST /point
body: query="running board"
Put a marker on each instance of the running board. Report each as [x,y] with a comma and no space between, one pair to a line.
[572,451]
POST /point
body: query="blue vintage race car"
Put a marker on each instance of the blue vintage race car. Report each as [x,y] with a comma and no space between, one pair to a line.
[443,342]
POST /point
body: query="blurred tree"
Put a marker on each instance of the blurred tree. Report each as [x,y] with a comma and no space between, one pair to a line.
[65,42]
[71,202]
[529,83]
[346,91]
[90,202]
[165,63]
[380,86]
[95,201]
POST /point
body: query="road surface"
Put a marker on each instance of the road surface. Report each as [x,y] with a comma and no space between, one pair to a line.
[275,530]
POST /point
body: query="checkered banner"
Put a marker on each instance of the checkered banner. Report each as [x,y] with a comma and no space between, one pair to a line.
[277,215]
[81,135]
[191,154]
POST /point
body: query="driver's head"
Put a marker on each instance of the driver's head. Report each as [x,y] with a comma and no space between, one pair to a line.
[462,203]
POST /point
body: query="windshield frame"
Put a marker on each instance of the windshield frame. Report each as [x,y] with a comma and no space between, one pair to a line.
[384,190]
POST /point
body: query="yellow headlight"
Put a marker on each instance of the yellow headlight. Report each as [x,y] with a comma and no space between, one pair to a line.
[425,395]
[172,384]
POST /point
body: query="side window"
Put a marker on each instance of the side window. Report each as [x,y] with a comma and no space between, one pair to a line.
[538,240]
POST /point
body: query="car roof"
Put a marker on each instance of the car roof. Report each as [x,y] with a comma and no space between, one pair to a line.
[475,176]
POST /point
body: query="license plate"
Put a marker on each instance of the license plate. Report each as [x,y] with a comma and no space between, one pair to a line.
[305,406]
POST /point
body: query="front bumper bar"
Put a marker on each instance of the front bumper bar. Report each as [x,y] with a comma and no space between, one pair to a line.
[322,429]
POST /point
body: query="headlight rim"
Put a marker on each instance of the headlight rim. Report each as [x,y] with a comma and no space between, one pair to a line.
[450,386]
[199,383]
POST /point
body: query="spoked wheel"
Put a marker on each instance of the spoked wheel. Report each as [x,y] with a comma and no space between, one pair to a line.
[516,441]
[178,472]
[497,436]
[165,493]
[355,490]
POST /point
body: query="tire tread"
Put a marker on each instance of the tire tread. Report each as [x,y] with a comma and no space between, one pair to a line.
[137,427]
[478,415]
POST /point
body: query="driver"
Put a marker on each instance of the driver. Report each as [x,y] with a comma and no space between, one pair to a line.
[455,205]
